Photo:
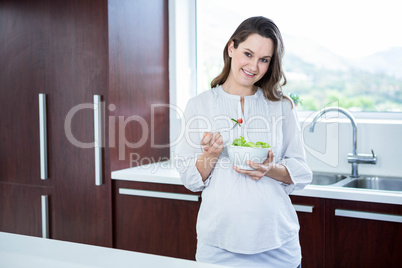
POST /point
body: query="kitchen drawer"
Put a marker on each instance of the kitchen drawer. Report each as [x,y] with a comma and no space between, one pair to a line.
[155,218]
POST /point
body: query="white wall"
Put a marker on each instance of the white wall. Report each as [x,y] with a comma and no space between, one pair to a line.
[328,146]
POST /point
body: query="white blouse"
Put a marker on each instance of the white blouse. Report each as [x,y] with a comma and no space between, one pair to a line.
[237,213]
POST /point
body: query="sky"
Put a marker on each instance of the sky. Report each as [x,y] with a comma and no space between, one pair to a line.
[350,28]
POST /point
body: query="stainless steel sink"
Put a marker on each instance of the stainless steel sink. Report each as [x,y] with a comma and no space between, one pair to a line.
[326,178]
[376,183]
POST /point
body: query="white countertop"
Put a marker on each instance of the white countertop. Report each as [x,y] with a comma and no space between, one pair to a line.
[165,172]
[27,251]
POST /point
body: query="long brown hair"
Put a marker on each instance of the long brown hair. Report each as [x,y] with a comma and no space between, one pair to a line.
[273,80]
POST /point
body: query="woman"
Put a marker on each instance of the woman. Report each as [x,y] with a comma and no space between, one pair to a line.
[246,218]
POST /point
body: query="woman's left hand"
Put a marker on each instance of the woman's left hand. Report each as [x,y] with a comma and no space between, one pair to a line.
[260,170]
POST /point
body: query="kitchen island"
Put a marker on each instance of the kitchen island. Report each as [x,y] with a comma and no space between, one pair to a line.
[28,251]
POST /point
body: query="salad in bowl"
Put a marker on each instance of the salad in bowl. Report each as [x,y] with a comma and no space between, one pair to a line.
[240,151]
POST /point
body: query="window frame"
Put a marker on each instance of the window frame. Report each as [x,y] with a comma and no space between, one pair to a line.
[182,62]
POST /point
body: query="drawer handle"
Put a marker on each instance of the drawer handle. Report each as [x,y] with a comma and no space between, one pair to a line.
[146,193]
[98,139]
[43,136]
[45,216]
[304,208]
[368,215]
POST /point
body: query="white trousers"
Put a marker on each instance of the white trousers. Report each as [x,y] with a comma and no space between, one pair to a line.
[287,256]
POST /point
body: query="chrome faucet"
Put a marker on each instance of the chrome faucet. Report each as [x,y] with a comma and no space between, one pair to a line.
[353,158]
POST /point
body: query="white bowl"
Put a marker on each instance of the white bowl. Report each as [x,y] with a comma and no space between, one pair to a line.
[238,155]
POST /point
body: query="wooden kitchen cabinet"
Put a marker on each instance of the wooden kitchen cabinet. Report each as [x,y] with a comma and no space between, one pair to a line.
[21,209]
[23,42]
[158,223]
[71,50]
[341,233]
[77,70]
[354,239]
[60,49]
[311,215]
[138,82]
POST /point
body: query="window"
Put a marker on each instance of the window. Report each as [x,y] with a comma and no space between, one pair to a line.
[344,51]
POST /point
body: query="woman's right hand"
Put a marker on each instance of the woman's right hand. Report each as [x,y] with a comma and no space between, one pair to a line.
[212,143]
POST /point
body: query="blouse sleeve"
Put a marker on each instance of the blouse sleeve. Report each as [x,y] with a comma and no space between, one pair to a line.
[189,149]
[293,155]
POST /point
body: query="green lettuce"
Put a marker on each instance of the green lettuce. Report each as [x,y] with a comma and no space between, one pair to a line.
[239,142]
[242,142]
[262,144]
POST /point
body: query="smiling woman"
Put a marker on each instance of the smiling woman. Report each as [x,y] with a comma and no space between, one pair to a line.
[246,218]
[247,66]
[253,58]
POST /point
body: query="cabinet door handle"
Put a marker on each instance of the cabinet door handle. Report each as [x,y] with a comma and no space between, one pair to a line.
[98,139]
[45,216]
[43,136]
[368,215]
[303,208]
[156,194]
